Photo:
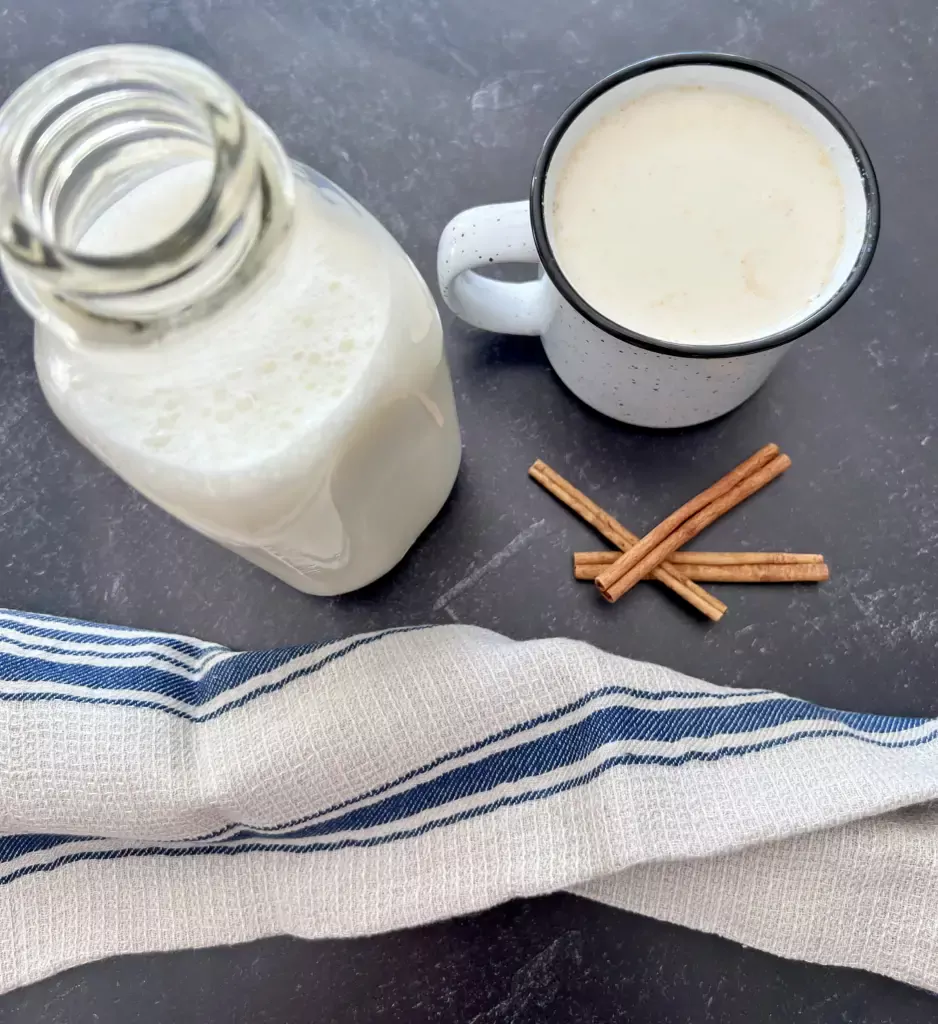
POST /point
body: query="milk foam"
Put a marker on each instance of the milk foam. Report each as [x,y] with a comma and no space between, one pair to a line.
[700,215]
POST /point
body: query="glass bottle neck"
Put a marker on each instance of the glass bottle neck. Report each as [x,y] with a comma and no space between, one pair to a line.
[89,130]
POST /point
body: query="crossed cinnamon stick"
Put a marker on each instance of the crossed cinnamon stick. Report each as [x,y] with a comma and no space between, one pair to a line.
[656,555]
[722,566]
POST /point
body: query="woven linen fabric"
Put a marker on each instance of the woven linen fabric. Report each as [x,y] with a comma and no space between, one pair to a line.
[158,792]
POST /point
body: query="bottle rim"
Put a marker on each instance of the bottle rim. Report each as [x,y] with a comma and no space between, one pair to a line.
[82,117]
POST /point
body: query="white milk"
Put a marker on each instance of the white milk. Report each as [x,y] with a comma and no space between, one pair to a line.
[309,426]
[699,215]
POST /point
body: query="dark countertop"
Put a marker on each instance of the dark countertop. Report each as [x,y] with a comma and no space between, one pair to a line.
[421,108]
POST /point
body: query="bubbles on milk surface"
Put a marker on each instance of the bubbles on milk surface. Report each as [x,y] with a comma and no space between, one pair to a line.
[261,376]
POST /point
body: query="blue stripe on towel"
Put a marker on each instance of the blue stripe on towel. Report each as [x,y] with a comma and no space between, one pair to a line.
[52,628]
[502,734]
[12,847]
[16,846]
[158,682]
[181,683]
[27,641]
[158,850]
[564,747]
[577,741]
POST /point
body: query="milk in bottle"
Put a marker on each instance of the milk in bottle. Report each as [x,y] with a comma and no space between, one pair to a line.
[229,332]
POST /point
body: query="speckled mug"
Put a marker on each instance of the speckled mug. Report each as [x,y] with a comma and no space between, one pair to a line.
[626,375]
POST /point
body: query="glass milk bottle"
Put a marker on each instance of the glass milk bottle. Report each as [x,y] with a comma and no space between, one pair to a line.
[227,330]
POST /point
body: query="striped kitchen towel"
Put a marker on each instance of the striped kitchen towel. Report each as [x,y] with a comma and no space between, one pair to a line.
[158,792]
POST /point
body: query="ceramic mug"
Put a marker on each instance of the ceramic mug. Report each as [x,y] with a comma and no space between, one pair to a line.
[624,374]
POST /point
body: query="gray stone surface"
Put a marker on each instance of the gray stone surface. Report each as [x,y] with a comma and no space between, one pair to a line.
[421,108]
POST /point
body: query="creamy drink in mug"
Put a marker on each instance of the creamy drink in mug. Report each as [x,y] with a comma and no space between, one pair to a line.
[692,216]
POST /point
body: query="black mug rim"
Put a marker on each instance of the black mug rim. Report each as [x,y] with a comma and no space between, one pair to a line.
[697,349]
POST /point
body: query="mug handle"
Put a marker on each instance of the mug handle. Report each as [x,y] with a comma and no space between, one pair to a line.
[480,237]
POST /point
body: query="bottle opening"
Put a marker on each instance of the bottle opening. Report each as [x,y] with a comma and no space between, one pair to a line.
[144,214]
[133,185]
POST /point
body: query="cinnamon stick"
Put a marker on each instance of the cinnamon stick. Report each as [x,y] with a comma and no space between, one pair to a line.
[709,558]
[584,507]
[589,564]
[767,573]
[617,534]
[675,531]
[741,558]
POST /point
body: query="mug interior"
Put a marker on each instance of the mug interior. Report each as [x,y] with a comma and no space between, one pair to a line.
[747,78]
